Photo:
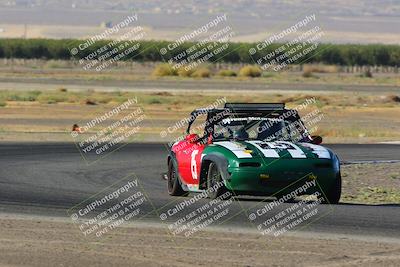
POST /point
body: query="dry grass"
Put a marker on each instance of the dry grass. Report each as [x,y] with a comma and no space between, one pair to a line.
[201,73]
[250,71]
[359,118]
[150,71]
[164,70]
[307,74]
[322,100]
[227,73]
[185,72]
[320,68]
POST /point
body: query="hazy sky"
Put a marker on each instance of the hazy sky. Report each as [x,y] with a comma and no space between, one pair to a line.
[343,21]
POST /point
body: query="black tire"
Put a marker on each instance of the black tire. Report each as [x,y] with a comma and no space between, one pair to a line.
[332,196]
[213,178]
[174,185]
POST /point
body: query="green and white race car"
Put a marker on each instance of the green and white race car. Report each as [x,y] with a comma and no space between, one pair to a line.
[258,149]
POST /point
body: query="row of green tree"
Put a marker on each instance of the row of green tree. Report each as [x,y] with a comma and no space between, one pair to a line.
[340,54]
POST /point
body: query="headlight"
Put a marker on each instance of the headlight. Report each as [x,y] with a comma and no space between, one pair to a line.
[233,163]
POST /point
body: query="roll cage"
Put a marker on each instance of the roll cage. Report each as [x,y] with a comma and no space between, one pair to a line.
[243,110]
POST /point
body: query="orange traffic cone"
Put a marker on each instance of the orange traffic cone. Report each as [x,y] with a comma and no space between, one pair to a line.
[76,128]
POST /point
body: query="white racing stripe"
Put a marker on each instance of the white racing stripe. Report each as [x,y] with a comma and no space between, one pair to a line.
[321,152]
[270,149]
[235,148]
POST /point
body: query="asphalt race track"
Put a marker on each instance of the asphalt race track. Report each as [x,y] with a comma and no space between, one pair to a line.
[50,179]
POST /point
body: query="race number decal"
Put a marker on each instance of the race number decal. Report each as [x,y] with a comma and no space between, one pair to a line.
[271,149]
[193,165]
[265,149]
[294,150]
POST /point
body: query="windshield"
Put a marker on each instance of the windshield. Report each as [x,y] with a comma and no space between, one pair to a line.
[265,129]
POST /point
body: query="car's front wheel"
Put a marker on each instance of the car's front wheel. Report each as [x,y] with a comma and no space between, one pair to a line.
[215,184]
[174,186]
[332,196]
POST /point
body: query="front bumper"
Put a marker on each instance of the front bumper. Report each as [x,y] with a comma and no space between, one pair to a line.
[280,176]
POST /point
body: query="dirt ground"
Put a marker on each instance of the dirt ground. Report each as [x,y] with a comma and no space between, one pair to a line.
[41,100]
[23,119]
[371,183]
[49,242]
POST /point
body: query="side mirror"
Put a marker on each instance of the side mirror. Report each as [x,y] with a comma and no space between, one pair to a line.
[316,139]
[192,138]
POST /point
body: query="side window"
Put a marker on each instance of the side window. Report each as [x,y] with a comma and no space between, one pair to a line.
[221,131]
[295,131]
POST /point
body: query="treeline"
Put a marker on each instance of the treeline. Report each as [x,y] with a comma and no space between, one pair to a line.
[339,54]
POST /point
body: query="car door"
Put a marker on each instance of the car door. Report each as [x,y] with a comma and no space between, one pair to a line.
[189,154]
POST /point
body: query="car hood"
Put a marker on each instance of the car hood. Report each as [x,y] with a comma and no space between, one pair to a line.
[278,149]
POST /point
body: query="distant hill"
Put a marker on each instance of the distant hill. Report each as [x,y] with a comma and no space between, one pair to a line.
[243,7]
[355,21]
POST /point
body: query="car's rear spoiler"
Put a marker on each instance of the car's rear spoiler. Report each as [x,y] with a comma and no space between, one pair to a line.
[243,107]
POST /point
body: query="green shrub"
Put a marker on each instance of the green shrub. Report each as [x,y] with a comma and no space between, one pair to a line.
[22,96]
[227,73]
[329,54]
[164,70]
[51,98]
[268,74]
[154,100]
[3,103]
[54,64]
[250,71]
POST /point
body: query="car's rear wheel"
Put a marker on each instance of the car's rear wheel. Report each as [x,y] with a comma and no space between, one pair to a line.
[332,196]
[174,185]
[215,184]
